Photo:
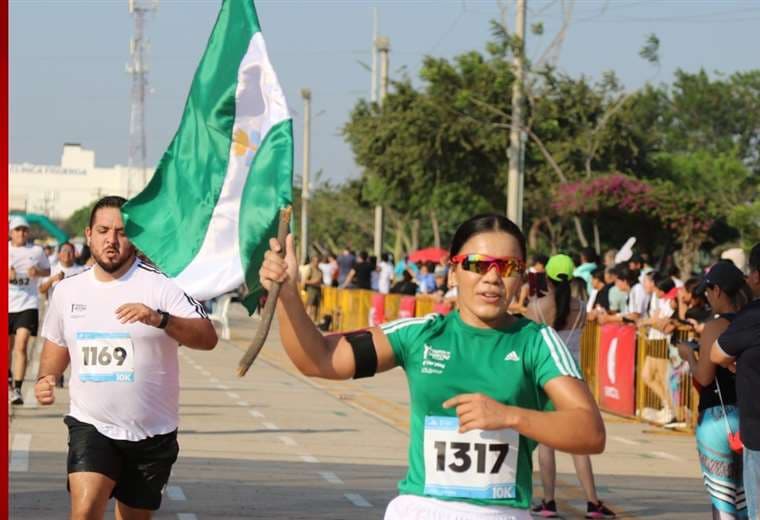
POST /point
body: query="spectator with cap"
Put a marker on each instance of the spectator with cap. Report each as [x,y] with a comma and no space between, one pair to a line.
[27,264]
[566,315]
[739,348]
[727,291]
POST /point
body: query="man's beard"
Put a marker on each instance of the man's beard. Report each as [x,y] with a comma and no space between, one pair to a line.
[112,267]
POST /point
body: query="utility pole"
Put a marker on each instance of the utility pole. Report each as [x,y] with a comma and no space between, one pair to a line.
[383,47]
[306,95]
[373,86]
[516,141]
[138,69]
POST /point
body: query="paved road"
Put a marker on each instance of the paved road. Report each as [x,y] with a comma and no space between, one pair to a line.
[277,445]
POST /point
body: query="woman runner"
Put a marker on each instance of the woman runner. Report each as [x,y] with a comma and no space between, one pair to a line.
[480,380]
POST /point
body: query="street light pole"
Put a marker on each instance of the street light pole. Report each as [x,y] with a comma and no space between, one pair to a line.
[383,47]
[516,145]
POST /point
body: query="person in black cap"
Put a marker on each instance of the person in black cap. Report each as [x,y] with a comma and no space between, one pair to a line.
[739,347]
[727,292]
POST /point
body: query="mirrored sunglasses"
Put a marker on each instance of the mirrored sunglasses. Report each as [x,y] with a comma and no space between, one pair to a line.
[507,266]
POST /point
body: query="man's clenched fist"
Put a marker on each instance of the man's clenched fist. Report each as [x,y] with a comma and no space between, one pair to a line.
[44,390]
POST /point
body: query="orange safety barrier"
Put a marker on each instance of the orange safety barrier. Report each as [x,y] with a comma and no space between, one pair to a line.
[589,354]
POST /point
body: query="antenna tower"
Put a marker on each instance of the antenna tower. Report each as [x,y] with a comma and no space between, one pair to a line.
[138,69]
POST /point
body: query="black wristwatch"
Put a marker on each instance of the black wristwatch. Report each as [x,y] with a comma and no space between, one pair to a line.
[164,319]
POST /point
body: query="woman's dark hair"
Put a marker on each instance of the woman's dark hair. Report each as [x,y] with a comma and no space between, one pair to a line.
[562,298]
[662,281]
[741,297]
[623,272]
[110,201]
[483,224]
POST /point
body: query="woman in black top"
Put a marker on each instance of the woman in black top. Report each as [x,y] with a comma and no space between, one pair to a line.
[727,292]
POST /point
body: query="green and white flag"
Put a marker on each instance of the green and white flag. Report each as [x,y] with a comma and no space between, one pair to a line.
[207,214]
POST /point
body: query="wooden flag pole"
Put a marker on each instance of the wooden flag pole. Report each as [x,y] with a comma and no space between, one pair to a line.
[257,343]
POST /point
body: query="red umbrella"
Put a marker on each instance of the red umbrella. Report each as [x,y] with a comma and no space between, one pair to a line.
[429,254]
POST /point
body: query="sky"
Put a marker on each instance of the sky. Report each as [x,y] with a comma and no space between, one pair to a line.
[68,81]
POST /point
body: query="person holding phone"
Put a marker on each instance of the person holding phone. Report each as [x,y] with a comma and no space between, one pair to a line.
[727,292]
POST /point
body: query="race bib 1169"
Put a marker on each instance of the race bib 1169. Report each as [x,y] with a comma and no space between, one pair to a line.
[106,356]
[476,464]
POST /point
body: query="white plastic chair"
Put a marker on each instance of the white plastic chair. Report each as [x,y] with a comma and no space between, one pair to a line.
[220,314]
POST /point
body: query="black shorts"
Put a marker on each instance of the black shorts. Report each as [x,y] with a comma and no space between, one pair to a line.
[27,319]
[140,468]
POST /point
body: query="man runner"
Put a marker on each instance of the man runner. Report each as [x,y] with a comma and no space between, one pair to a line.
[26,264]
[119,324]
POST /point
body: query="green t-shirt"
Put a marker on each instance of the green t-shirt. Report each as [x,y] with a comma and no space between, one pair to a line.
[444,357]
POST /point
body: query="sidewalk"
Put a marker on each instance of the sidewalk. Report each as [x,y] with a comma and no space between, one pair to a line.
[277,445]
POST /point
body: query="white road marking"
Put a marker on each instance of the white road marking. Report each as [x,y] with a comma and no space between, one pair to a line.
[205,373]
[256,413]
[331,477]
[233,395]
[223,387]
[357,500]
[175,493]
[664,455]
[624,440]
[20,452]
[310,459]
[186,516]
[270,426]
[287,440]
[243,403]
[213,380]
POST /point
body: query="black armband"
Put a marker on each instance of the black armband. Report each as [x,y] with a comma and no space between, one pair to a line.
[365,355]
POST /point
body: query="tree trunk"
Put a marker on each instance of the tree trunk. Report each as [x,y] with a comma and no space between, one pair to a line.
[415,234]
[397,244]
[436,231]
[552,235]
[579,230]
[535,229]
[687,255]
[597,242]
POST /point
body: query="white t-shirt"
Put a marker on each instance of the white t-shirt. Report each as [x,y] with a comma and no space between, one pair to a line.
[638,300]
[327,273]
[385,277]
[124,378]
[659,308]
[22,291]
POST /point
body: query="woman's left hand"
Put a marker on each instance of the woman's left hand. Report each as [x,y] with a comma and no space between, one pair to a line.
[478,411]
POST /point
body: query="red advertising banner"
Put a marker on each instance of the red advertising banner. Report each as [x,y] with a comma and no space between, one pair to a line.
[617,360]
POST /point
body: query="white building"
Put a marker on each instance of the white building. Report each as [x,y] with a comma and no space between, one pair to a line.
[58,191]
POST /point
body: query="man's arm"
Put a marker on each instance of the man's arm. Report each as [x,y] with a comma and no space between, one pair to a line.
[53,361]
[195,333]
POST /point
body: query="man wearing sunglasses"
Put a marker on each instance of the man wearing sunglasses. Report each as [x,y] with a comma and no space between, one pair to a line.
[739,347]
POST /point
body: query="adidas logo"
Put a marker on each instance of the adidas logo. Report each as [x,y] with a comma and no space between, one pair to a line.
[512,356]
